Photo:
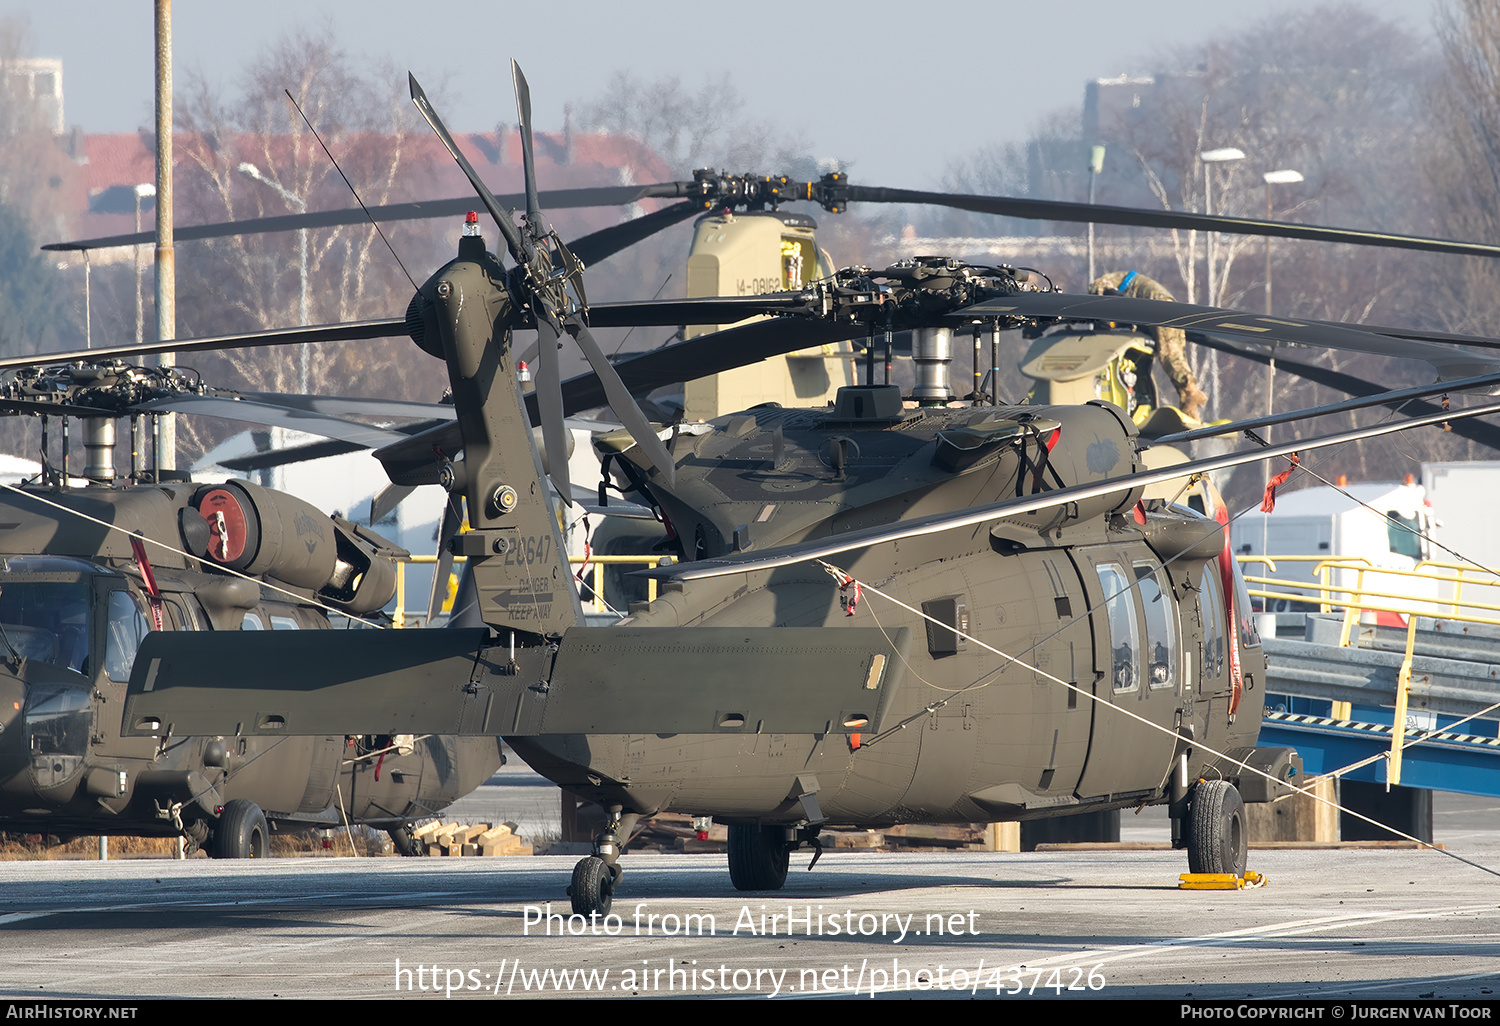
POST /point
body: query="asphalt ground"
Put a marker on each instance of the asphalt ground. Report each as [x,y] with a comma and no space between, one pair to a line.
[1334,925]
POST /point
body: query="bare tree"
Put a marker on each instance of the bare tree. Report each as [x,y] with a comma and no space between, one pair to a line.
[252,155]
[1463,162]
[692,130]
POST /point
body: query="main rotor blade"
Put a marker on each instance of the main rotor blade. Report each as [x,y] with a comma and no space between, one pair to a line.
[1406,400]
[706,310]
[502,219]
[556,199]
[596,246]
[1006,206]
[351,332]
[977,515]
[250,412]
[709,354]
[354,406]
[295,454]
[1130,217]
[1449,361]
[411,461]
[623,403]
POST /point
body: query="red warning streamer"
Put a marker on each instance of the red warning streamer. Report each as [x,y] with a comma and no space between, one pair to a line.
[1268,504]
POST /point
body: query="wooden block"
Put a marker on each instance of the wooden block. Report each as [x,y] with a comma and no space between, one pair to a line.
[494,834]
[1300,818]
[1002,837]
[427,830]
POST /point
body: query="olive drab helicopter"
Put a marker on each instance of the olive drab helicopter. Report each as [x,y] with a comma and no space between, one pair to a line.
[91,565]
[890,609]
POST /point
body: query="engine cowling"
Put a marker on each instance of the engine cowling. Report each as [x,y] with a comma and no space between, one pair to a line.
[264,533]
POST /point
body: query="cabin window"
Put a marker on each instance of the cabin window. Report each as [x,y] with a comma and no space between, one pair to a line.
[1120,611]
[1212,598]
[127,626]
[1161,626]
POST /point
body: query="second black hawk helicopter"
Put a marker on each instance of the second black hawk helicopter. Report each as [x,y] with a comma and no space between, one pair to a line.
[886,612]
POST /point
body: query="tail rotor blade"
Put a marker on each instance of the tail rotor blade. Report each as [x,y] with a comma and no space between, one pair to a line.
[386,500]
[622,402]
[550,404]
[444,566]
[502,219]
[523,114]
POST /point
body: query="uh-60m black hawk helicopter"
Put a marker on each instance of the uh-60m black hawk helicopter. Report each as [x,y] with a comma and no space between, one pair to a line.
[885,613]
[89,565]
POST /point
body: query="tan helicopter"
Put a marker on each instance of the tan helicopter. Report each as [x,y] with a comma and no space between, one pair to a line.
[884,614]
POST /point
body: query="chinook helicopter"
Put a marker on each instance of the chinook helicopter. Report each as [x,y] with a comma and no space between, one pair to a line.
[886,611]
[90,566]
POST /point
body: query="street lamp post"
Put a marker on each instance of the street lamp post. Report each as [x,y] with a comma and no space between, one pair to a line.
[142,192]
[1209,157]
[249,170]
[1284,177]
[1096,165]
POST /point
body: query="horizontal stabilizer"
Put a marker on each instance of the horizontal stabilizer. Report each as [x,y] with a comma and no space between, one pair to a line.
[604,680]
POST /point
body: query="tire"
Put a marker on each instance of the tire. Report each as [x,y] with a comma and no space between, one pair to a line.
[758,858]
[593,888]
[241,832]
[1216,829]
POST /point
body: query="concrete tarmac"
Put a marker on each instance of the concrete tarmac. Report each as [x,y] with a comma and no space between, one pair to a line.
[1329,924]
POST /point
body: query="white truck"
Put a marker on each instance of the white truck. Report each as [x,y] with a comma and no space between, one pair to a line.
[1390,525]
[1383,523]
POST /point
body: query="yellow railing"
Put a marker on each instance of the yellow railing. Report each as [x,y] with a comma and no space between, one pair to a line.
[596,584]
[600,562]
[1357,599]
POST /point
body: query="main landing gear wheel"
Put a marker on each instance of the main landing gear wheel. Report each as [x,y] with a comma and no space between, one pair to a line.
[758,857]
[241,832]
[1216,829]
[593,887]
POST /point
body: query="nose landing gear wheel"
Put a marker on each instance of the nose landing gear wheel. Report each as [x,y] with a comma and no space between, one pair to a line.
[593,887]
[1216,829]
[241,832]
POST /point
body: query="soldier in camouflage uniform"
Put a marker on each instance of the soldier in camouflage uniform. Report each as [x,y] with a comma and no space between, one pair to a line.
[1171,343]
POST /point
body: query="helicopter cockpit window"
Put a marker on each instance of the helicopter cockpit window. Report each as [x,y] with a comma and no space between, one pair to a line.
[1161,627]
[1120,609]
[1404,535]
[127,626]
[799,261]
[47,621]
[58,720]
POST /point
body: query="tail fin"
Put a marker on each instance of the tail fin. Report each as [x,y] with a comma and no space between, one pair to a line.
[515,548]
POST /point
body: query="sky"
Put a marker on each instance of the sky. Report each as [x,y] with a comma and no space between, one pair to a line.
[872,83]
